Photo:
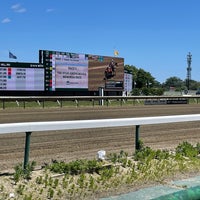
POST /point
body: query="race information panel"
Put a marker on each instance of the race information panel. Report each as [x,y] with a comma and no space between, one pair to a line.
[64,71]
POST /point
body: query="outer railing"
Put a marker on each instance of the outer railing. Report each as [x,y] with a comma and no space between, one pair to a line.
[77,99]
[29,127]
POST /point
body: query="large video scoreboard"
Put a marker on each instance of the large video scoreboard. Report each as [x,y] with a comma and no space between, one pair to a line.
[62,73]
[81,72]
[21,76]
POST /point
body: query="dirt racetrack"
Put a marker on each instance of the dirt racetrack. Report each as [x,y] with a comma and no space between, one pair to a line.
[78,144]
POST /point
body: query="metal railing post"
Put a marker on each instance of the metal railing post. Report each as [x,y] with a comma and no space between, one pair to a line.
[93,102]
[3,104]
[27,147]
[137,135]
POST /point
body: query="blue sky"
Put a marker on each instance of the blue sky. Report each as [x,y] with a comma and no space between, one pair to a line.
[155,35]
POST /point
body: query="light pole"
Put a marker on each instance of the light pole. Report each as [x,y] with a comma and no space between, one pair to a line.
[189,69]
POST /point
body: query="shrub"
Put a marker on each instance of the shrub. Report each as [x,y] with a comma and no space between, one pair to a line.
[144,153]
[75,167]
[20,172]
[186,149]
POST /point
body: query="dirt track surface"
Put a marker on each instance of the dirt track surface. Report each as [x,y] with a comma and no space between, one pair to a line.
[79,144]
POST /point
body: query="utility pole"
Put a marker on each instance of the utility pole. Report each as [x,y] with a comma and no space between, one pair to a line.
[189,69]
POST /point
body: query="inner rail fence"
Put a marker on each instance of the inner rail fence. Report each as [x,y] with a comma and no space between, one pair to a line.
[29,127]
[102,100]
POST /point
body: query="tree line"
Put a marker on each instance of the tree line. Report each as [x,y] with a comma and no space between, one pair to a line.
[144,83]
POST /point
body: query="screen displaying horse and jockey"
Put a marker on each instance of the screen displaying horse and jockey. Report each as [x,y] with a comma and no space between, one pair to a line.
[106,72]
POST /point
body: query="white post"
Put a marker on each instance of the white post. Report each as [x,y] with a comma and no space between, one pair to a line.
[101,94]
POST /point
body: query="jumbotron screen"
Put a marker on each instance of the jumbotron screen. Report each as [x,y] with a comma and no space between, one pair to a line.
[73,71]
[21,76]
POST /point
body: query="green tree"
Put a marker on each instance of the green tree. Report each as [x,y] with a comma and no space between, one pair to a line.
[143,82]
[194,85]
[144,79]
[174,82]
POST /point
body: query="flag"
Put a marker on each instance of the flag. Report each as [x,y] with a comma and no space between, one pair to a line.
[11,55]
[116,53]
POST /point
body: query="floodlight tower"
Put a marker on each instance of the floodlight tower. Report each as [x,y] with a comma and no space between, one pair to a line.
[189,69]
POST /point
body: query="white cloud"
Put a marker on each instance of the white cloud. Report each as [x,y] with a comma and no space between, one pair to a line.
[21,10]
[15,6]
[5,20]
[49,10]
[18,8]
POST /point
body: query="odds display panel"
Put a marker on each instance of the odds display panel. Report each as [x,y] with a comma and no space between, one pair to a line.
[128,82]
[81,72]
[16,76]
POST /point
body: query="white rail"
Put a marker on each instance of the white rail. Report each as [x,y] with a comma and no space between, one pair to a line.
[81,124]
[29,127]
